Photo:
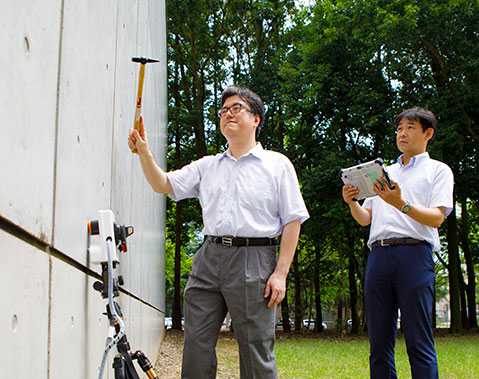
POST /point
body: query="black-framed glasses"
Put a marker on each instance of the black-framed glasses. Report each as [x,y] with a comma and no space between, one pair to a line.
[234,109]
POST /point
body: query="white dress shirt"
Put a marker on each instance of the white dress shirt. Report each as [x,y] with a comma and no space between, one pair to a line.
[253,196]
[424,181]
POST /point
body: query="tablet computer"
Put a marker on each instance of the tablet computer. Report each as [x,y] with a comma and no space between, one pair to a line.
[363,176]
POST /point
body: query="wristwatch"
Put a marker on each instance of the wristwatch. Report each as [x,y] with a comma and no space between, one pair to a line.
[406,207]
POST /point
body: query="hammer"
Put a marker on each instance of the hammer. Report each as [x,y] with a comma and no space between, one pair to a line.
[141,79]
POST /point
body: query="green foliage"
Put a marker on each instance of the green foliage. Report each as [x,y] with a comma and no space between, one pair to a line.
[332,77]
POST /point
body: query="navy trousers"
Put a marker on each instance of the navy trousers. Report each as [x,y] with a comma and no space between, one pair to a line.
[400,277]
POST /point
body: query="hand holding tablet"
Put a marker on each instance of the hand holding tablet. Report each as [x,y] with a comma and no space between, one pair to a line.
[363,176]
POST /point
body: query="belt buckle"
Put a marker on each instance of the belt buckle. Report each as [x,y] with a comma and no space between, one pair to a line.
[384,244]
[227,241]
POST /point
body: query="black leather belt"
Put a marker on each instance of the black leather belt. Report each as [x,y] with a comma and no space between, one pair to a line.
[397,241]
[242,241]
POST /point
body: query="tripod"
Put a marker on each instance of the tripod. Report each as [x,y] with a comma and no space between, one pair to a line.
[109,231]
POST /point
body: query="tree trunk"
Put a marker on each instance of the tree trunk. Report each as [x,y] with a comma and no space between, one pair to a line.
[198,126]
[471,276]
[353,289]
[340,313]
[462,293]
[453,252]
[317,293]
[365,254]
[285,313]
[177,285]
[344,294]
[353,292]
[298,304]
[176,322]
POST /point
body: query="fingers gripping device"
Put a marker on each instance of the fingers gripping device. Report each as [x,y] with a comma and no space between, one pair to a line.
[106,238]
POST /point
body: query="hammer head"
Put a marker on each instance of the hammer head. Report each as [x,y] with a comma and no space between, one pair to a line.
[143,60]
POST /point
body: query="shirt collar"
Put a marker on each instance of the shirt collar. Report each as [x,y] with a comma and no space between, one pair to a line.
[257,151]
[414,159]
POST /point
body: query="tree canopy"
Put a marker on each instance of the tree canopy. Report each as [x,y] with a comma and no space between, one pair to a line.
[332,76]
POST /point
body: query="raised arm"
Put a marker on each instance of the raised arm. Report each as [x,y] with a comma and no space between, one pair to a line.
[138,143]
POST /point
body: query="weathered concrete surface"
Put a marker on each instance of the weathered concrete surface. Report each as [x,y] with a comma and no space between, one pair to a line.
[67,103]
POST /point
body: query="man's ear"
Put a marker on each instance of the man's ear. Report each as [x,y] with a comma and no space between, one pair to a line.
[257,120]
[429,133]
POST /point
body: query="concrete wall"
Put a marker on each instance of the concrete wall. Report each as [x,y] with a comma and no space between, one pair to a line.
[67,103]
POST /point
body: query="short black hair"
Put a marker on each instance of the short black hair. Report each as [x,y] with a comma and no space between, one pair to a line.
[253,100]
[425,117]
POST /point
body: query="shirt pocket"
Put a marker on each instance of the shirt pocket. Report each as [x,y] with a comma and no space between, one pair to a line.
[417,190]
[257,195]
[212,194]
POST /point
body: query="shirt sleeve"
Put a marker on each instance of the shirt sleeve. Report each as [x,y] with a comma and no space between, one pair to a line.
[291,205]
[368,203]
[442,189]
[186,181]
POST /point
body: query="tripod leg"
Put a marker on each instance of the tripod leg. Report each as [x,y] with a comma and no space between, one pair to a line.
[124,368]
[124,349]
[145,364]
[119,366]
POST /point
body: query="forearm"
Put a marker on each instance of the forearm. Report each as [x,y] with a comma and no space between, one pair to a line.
[289,241]
[360,214]
[433,217]
[155,176]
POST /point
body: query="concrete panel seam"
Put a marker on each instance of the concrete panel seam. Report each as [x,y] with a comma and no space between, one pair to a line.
[57,117]
[36,242]
[49,328]
[114,105]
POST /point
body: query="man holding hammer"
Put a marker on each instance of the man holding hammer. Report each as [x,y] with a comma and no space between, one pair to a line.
[249,197]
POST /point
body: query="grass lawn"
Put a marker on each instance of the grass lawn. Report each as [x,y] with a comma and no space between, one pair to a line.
[328,356]
[458,357]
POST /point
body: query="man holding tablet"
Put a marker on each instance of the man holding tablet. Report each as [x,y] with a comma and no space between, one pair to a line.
[400,272]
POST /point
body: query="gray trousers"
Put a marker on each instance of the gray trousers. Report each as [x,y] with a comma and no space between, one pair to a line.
[228,278]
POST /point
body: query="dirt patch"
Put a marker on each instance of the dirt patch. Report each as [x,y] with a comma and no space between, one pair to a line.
[168,362]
